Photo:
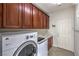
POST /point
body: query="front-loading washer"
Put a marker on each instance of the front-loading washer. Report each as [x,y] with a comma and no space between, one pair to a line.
[22,44]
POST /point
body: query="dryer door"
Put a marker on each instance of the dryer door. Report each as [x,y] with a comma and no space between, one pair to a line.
[28,48]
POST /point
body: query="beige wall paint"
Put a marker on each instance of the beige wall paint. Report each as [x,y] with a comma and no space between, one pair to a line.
[63,31]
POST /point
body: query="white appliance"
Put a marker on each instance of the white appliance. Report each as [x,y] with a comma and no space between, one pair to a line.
[42,47]
[18,44]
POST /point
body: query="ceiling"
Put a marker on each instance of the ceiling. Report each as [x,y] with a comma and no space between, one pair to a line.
[51,7]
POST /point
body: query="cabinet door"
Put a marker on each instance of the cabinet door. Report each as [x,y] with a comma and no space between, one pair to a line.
[41,18]
[50,42]
[45,21]
[27,15]
[0,15]
[36,20]
[12,15]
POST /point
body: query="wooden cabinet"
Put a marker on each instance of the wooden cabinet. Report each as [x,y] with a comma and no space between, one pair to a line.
[22,15]
[0,15]
[50,42]
[27,15]
[12,15]
[36,18]
[41,18]
[45,21]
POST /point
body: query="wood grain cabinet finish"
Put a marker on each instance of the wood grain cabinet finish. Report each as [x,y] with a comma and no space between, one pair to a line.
[12,15]
[27,15]
[50,42]
[41,18]
[47,22]
[23,15]
[0,15]
[36,18]
[44,21]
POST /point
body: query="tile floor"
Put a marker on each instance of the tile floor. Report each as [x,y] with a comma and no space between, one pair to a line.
[55,51]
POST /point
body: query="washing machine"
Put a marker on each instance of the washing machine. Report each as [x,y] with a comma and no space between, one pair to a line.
[20,44]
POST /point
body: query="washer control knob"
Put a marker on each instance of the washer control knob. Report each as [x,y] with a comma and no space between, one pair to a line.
[31,36]
[27,37]
[7,39]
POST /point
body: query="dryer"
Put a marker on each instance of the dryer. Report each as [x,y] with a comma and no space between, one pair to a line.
[20,44]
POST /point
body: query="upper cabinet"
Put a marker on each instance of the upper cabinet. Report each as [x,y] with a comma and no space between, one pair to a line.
[41,18]
[11,15]
[45,21]
[0,15]
[36,20]
[22,15]
[27,15]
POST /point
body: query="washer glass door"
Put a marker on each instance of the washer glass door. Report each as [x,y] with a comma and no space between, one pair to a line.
[26,49]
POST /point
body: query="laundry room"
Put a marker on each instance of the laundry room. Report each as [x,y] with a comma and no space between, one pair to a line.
[39,29]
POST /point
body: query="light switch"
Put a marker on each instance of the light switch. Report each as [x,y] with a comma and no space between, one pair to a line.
[53,25]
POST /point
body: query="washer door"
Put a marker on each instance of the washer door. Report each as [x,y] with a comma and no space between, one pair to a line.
[28,48]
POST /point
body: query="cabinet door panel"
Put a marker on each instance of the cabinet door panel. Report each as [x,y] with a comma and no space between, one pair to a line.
[45,21]
[12,15]
[27,15]
[0,15]
[41,19]
[36,20]
[50,42]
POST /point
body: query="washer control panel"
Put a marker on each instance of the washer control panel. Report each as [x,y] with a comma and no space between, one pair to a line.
[29,36]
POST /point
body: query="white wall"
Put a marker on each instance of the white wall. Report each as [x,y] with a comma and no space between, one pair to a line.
[63,31]
[76,44]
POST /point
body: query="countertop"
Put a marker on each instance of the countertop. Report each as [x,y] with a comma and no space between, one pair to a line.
[15,33]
